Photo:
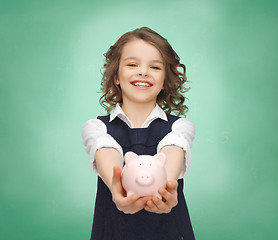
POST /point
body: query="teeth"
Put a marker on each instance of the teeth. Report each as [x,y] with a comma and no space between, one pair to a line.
[143,84]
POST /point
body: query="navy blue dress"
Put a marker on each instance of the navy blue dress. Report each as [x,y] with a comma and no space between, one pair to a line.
[111,224]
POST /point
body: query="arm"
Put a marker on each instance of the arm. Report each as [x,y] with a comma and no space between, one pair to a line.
[176,145]
[182,135]
[95,137]
[107,161]
[175,158]
[109,164]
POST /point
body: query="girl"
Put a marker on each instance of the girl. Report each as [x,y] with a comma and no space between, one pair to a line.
[142,86]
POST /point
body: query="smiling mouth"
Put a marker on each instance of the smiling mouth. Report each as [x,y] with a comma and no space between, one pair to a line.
[141,84]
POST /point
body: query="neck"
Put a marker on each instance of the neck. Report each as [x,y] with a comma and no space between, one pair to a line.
[137,112]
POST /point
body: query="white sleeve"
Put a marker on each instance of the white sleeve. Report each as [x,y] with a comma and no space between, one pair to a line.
[95,136]
[182,135]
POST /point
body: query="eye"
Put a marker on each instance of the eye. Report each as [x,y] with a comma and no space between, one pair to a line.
[131,65]
[156,68]
[150,164]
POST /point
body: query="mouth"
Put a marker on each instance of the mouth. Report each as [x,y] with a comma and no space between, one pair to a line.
[141,83]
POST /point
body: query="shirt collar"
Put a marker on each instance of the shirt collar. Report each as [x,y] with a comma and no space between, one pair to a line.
[157,112]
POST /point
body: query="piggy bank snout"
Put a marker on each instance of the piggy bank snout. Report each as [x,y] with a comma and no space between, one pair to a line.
[144,178]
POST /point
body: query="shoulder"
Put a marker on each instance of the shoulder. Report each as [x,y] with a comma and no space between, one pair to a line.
[183,124]
[95,123]
[183,121]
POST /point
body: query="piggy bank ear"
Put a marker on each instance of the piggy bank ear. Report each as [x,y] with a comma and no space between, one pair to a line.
[160,159]
[129,157]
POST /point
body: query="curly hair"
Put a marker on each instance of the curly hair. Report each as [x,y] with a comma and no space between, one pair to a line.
[171,98]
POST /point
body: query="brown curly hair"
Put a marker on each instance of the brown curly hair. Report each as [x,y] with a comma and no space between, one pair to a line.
[170,99]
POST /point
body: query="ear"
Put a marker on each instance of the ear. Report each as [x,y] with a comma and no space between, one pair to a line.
[129,157]
[160,159]
[116,80]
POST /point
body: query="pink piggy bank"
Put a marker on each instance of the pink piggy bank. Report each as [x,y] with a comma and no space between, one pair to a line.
[144,174]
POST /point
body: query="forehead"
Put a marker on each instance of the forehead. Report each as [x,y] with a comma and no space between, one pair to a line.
[141,50]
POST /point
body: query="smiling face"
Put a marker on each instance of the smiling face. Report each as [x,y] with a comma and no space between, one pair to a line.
[141,72]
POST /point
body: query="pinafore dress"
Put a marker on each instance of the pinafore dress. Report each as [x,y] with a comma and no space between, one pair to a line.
[111,224]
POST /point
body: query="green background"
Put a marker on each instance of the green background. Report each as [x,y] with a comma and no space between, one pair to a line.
[51,56]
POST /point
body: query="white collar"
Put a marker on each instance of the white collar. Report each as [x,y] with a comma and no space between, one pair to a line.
[157,112]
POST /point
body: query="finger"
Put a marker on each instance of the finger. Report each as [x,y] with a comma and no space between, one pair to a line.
[172,186]
[165,194]
[116,179]
[151,207]
[127,201]
[142,201]
[117,188]
[134,200]
[162,206]
[170,198]
[123,203]
[139,203]
[117,173]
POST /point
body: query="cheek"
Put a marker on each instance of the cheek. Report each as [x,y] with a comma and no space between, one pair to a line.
[161,76]
[161,79]
[124,74]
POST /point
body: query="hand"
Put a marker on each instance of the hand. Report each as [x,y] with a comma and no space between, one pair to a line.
[168,201]
[130,204]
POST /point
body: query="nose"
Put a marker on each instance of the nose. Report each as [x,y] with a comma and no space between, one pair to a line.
[144,178]
[143,71]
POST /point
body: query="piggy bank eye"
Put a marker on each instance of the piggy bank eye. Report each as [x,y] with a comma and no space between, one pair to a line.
[150,164]
[140,164]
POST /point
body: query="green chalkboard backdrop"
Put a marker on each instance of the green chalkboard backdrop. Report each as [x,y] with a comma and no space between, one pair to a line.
[50,71]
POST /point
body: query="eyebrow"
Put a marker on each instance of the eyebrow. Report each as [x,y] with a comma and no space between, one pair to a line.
[158,61]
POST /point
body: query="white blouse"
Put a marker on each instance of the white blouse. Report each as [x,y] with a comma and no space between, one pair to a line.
[95,136]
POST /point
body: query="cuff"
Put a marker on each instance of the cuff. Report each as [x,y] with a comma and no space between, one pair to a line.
[180,141]
[104,141]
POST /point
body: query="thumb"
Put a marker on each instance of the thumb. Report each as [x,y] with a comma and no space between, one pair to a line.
[117,179]
[172,185]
